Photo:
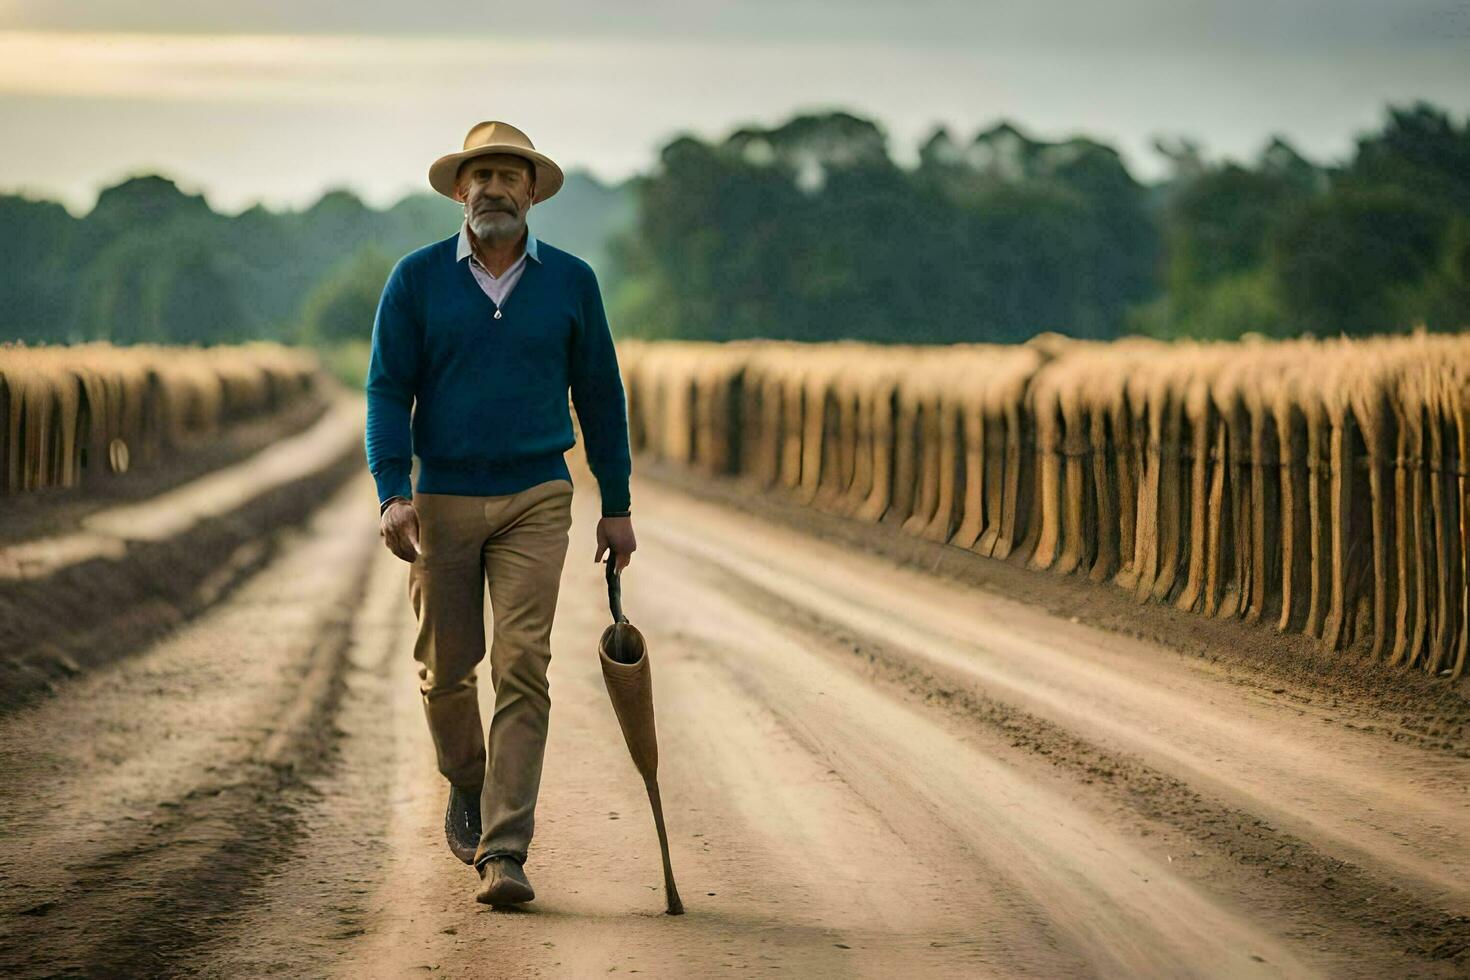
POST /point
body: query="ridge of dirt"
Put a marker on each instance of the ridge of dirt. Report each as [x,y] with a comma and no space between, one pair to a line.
[1288,875]
[1400,704]
[56,510]
[316,902]
[100,610]
[166,887]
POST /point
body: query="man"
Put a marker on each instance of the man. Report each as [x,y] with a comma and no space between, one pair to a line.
[479,336]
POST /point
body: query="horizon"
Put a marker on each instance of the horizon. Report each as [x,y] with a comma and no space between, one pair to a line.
[274,105]
[905,160]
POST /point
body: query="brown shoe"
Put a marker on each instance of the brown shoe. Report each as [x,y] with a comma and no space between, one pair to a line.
[503,882]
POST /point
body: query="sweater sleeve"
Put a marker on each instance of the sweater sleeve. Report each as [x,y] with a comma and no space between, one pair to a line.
[391,386]
[597,393]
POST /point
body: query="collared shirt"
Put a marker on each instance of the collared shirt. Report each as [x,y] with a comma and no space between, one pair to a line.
[496,287]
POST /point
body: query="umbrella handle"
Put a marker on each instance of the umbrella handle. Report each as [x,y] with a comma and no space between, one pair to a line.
[614,588]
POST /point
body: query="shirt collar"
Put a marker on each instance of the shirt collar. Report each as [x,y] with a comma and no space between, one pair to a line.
[462,251]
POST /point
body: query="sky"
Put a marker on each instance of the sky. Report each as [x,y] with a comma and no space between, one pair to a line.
[275,102]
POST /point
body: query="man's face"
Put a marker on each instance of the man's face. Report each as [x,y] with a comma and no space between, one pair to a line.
[496,190]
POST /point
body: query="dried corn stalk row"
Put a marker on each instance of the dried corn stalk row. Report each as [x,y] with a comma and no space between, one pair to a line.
[1316,485]
[70,412]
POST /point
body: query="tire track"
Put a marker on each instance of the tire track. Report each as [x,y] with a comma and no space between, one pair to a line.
[1377,802]
[87,614]
[131,899]
[1013,868]
[1315,895]
[316,903]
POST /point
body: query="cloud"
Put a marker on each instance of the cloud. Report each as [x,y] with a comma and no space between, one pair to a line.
[254,111]
[252,67]
[1312,24]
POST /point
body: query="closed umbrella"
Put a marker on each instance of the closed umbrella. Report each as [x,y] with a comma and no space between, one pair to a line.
[625,670]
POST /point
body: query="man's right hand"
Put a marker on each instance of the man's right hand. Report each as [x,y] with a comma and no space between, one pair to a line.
[400,530]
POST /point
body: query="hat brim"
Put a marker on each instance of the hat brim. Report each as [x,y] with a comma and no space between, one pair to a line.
[443,171]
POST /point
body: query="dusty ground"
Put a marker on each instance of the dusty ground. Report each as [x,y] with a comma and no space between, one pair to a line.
[869,770]
[110,570]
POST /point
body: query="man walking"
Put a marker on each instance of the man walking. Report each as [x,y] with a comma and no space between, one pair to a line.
[477,340]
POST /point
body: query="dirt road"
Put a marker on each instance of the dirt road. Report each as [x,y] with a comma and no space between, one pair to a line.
[868,771]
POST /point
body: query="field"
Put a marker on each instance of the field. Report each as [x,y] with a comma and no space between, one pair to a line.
[1050,660]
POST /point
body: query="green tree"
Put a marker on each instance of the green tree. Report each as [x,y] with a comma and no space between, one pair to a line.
[200,298]
[1441,301]
[809,231]
[38,294]
[182,288]
[1344,262]
[1216,220]
[343,305]
[1217,227]
[1420,151]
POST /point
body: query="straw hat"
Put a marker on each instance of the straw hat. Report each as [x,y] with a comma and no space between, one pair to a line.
[496,137]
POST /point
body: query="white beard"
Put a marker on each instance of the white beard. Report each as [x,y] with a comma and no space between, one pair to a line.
[494,225]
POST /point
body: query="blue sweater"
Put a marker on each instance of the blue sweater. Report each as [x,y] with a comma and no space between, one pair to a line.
[488,397]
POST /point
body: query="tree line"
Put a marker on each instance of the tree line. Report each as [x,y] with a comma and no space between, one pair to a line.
[811,231]
[153,263]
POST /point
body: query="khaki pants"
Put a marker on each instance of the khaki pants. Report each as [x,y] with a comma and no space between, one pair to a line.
[518,543]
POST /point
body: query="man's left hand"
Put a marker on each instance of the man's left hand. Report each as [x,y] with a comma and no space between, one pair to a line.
[616,533]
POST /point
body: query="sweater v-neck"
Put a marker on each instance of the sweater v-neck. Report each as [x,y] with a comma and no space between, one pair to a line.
[464,253]
[468,282]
